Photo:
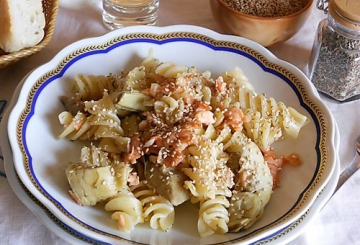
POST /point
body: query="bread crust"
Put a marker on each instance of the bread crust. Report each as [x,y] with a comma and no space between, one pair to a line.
[4,20]
[21,24]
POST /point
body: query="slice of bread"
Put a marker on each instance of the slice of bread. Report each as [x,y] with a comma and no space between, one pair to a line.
[22,24]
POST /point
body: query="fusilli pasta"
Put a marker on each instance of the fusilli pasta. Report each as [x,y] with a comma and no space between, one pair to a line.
[164,133]
[156,209]
[126,208]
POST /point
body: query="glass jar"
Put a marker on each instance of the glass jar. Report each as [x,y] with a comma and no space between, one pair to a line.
[334,66]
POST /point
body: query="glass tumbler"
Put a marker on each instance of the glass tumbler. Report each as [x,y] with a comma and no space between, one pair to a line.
[121,13]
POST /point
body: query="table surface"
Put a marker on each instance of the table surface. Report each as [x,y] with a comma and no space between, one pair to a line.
[336,223]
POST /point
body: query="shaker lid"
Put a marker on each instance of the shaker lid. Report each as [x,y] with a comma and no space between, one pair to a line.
[349,9]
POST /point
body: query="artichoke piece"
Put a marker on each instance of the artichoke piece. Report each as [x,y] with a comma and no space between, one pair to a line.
[133,79]
[167,182]
[73,104]
[134,101]
[115,145]
[94,184]
[130,125]
[253,187]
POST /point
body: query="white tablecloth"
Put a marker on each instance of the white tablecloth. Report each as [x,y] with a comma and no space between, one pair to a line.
[337,223]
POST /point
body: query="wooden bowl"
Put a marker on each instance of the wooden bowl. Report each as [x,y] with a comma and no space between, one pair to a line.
[50,8]
[263,30]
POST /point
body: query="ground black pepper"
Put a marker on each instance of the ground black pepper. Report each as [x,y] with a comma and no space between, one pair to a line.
[337,68]
[334,66]
[266,8]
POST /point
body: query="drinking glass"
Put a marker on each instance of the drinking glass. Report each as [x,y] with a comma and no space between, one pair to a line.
[121,13]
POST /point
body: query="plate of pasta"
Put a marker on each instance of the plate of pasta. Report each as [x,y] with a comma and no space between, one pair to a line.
[172,135]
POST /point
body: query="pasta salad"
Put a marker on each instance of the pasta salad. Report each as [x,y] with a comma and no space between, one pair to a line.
[163,134]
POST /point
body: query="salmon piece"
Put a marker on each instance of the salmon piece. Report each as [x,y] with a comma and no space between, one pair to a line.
[135,149]
[275,164]
[235,117]
[205,117]
[220,85]
[293,159]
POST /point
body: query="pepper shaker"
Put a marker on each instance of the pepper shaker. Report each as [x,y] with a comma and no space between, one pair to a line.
[334,66]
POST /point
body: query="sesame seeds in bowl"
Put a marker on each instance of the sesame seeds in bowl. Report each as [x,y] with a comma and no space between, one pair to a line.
[265,22]
[266,8]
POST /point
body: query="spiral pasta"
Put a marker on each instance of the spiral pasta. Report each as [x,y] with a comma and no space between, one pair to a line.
[261,130]
[91,87]
[208,160]
[210,181]
[76,127]
[213,216]
[286,118]
[170,109]
[156,209]
[135,79]
[126,208]
[163,133]
[237,91]
[104,116]
[102,123]
[170,70]
[208,171]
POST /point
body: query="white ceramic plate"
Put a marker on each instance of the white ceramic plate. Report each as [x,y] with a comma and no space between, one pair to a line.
[40,157]
[72,236]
